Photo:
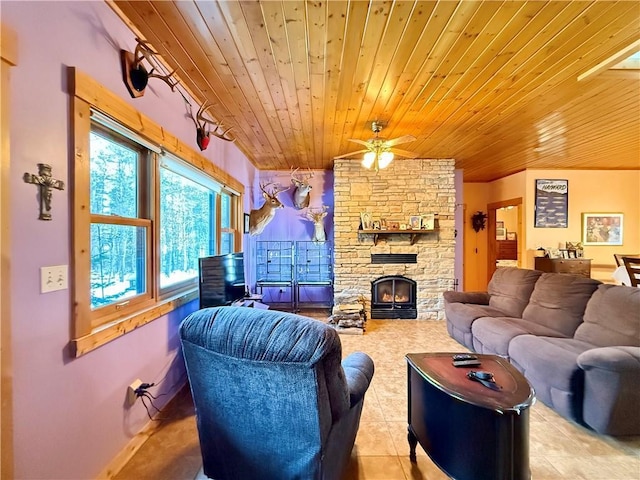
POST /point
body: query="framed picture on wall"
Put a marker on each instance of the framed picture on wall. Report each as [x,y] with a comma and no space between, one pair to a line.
[551,203]
[602,228]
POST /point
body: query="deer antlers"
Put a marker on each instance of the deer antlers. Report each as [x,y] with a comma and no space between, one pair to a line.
[136,75]
[276,191]
[202,133]
[317,214]
[303,179]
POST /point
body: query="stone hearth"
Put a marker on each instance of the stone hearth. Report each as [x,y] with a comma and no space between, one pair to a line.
[405,188]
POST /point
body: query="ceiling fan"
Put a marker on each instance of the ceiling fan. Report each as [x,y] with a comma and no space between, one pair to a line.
[380,151]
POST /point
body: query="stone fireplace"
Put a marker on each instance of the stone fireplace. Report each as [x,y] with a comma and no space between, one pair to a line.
[404,189]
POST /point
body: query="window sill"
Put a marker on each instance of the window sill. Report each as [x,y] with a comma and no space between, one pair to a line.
[106,333]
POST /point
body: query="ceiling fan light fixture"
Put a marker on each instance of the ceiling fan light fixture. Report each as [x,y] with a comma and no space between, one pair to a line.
[369,159]
[385,159]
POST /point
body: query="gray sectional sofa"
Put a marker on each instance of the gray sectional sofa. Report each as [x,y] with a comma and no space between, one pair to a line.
[575,339]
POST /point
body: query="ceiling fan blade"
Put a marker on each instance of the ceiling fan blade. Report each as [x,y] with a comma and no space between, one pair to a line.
[399,140]
[404,153]
[351,154]
[361,142]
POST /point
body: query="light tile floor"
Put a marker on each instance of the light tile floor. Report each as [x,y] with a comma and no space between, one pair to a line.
[559,449]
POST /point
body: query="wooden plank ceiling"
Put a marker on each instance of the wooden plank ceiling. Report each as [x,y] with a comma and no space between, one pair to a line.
[492,84]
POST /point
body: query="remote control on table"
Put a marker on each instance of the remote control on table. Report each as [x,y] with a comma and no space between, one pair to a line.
[466,363]
[464,356]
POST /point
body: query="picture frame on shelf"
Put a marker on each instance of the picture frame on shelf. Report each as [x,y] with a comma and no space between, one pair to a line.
[512,236]
[415,222]
[602,228]
[428,222]
[365,220]
[501,233]
[553,252]
[392,225]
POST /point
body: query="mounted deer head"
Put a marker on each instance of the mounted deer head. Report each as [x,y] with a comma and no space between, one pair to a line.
[317,217]
[203,134]
[258,219]
[135,74]
[303,189]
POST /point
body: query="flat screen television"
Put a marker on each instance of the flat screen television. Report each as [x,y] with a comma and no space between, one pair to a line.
[221,279]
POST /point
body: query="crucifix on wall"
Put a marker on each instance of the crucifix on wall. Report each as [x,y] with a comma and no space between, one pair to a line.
[45,182]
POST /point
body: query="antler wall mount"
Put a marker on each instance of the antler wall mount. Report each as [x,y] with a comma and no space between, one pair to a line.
[203,133]
[135,75]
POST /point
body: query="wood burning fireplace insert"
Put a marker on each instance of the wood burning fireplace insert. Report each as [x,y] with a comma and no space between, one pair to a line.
[393,296]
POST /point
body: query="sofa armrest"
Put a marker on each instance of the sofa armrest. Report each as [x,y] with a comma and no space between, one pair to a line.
[611,394]
[613,359]
[478,298]
[358,369]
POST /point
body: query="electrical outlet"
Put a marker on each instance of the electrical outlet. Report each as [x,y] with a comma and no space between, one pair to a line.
[131,391]
[53,278]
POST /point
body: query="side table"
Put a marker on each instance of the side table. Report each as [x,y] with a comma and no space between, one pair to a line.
[470,431]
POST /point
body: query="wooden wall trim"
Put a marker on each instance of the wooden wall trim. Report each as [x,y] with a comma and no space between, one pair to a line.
[8,45]
[491,233]
[9,58]
[87,89]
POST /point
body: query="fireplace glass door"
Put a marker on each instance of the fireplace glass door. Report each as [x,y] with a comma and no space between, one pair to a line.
[393,297]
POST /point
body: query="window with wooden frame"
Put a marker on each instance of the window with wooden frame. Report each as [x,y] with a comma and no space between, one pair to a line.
[143,214]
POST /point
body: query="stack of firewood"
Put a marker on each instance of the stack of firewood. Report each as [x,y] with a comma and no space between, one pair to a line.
[348,318]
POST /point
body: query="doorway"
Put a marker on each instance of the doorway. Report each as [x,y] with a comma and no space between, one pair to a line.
[505,239]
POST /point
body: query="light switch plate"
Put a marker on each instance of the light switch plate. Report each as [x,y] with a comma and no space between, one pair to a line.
[53,278]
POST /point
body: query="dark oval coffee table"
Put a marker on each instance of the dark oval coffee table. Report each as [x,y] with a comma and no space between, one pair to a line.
[470,431]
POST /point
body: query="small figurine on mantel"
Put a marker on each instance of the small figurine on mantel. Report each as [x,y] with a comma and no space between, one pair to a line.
[45,182]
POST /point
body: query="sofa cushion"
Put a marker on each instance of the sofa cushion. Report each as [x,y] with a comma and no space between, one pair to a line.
[510,289]
[492,335]
[551,367]
[460,316]
[558,302]
[611,317]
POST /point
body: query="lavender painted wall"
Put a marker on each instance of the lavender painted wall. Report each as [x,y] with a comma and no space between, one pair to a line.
[289,224]
[70,418]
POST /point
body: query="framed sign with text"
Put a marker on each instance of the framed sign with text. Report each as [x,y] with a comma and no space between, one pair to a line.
[552,203]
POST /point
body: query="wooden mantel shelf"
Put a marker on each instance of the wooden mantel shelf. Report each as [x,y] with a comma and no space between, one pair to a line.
[412,233]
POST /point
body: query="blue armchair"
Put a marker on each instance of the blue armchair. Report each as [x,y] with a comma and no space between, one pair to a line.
[272,398]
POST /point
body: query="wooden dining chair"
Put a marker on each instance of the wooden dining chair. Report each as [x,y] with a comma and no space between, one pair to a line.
[618,257]
[632,264]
